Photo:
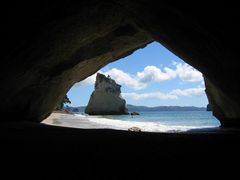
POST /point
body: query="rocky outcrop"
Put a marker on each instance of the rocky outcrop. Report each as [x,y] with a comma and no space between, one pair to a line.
[135,129]
[106,98]
[134,113]
[209,107]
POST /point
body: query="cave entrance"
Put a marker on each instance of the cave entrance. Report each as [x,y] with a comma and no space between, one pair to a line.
[168,94]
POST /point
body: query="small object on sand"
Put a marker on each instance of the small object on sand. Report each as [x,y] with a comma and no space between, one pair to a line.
[136,129]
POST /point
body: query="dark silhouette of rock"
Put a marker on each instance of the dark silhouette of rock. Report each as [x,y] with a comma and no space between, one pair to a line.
[134,113]
[47,47]
[106,99]
[209,107]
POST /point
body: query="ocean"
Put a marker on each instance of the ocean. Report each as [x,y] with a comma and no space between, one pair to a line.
[157,121]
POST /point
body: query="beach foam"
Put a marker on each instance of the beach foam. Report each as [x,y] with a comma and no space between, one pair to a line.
[84,121]
[144,126]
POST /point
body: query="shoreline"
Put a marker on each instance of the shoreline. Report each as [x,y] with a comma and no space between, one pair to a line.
[71,120]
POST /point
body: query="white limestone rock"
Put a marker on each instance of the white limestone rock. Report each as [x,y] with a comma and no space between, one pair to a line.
[106,99]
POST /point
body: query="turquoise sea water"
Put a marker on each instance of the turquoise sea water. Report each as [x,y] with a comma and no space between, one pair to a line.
[173,118]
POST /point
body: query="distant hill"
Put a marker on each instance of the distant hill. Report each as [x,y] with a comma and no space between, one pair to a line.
[165,108]
[75,109]
[132,108]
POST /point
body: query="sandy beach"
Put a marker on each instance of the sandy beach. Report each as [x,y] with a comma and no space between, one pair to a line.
[53,118]
[84,121]
[71,120]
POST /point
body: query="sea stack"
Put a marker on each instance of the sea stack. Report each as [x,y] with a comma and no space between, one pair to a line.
[106,99]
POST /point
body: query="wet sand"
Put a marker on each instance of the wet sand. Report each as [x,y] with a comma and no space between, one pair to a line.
[69,120]
[53,118]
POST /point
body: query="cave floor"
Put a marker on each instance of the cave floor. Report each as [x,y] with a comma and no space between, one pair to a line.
[93,154]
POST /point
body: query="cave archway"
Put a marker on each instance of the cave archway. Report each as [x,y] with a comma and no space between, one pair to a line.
[48,48]
[150,77]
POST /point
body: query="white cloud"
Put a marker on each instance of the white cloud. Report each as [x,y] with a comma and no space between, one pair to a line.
[150,74]
[88,81]
[188,92]
[154,74]
[174,94]
[153,95]
[119,76]
[184,71]
[124,78]
[188,73]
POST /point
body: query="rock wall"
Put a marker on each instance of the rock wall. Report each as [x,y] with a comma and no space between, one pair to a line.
[48,47]
[209,107]
[106,99]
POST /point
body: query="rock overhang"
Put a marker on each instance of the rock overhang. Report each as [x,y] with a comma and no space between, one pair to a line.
[58,46]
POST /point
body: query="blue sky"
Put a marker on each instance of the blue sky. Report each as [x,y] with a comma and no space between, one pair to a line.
[152,76]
